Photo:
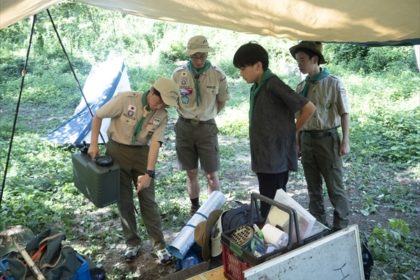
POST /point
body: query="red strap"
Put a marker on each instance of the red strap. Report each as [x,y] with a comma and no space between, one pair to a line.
[37,255]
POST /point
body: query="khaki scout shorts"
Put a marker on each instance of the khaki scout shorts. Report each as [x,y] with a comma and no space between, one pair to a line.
[197,141]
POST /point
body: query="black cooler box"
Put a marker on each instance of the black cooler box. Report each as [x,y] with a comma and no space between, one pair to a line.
[100,184]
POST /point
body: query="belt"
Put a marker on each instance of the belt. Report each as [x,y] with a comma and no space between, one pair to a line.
[196,122]
[320,133]
[127,145]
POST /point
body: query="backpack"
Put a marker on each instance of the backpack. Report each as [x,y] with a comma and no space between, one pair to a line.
[53,260]
[367,259]
[241,215]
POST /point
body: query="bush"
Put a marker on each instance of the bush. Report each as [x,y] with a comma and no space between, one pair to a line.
[175,52]
[227,66]
[366,59]
[393,59]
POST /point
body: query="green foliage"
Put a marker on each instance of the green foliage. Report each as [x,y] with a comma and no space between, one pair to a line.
[175,52]
[385,241]
[229,69]
[346,54]
[142,78]
[393,59]
[401,199]
[237,129]
[384,123]
[361,58]
[393,138]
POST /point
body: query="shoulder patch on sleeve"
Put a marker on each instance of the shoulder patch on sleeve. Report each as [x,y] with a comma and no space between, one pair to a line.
[220,73]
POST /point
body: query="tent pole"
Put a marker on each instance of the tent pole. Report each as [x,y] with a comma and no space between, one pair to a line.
[72,69]
[17,110]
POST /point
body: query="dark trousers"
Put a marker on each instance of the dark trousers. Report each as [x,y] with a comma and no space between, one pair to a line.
[269,184]
[320,160]
[133,162]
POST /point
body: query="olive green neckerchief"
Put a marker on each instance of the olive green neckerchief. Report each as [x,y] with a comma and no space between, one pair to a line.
[196,75]
[139,124]
[255,89]
[321,75]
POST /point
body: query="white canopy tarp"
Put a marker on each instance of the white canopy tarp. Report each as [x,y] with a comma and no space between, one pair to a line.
[323,20]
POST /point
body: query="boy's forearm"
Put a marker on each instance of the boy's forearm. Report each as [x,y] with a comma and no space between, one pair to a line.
[306,112]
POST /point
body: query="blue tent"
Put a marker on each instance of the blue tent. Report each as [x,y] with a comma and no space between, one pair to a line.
[104,80]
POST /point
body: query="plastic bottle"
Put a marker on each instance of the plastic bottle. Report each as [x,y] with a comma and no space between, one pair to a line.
[257,245]
[258,232]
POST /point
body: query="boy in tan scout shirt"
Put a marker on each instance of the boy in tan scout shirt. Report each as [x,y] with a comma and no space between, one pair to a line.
[203,93]
[136,131]
[320,144]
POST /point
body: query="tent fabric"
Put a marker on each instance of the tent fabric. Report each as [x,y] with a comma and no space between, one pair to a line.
[324,20]
[103,82]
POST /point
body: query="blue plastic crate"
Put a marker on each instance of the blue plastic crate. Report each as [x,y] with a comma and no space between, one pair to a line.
[83,273]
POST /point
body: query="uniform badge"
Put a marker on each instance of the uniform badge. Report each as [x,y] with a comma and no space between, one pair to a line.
[185,95]
[131,110]
[156,122]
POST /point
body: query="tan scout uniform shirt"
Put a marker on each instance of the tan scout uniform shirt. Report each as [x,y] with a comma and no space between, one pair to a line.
[330,99]
[125,110]
[213,88]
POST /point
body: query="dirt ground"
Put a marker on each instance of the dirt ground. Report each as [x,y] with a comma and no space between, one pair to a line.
[238,178]
[146,267]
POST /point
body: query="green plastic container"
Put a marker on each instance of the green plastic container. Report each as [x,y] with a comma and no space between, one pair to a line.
[100,184]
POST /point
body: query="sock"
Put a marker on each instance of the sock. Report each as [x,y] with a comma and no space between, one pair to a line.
[195,202]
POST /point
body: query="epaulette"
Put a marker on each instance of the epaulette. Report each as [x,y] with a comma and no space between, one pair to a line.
[180,68]
[334,77]
[130,93]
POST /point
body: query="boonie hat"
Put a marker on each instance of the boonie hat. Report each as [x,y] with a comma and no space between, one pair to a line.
[197,44]
[168,91]
[203,233]
[315,47]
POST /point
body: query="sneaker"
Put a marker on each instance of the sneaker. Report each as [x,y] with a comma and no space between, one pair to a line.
[193,209]
[132,252]
[164,257]
[157,247]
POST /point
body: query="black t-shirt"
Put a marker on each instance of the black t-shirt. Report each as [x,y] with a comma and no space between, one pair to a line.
[272,130]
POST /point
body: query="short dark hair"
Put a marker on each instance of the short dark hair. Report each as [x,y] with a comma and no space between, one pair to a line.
[157,93]
[249,54]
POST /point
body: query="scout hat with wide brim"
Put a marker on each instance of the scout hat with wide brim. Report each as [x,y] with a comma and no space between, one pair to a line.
[203,231]
[168,91]
[315,47]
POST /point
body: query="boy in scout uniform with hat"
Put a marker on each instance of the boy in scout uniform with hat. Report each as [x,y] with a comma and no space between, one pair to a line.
[203,94]
[320,144]
[136,131]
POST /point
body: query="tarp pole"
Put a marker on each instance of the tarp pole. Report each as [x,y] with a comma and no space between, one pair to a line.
[72,69]
[17,110]
[417,51]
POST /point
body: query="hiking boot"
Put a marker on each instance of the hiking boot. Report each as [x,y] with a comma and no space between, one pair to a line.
[131,252]
[194,209]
